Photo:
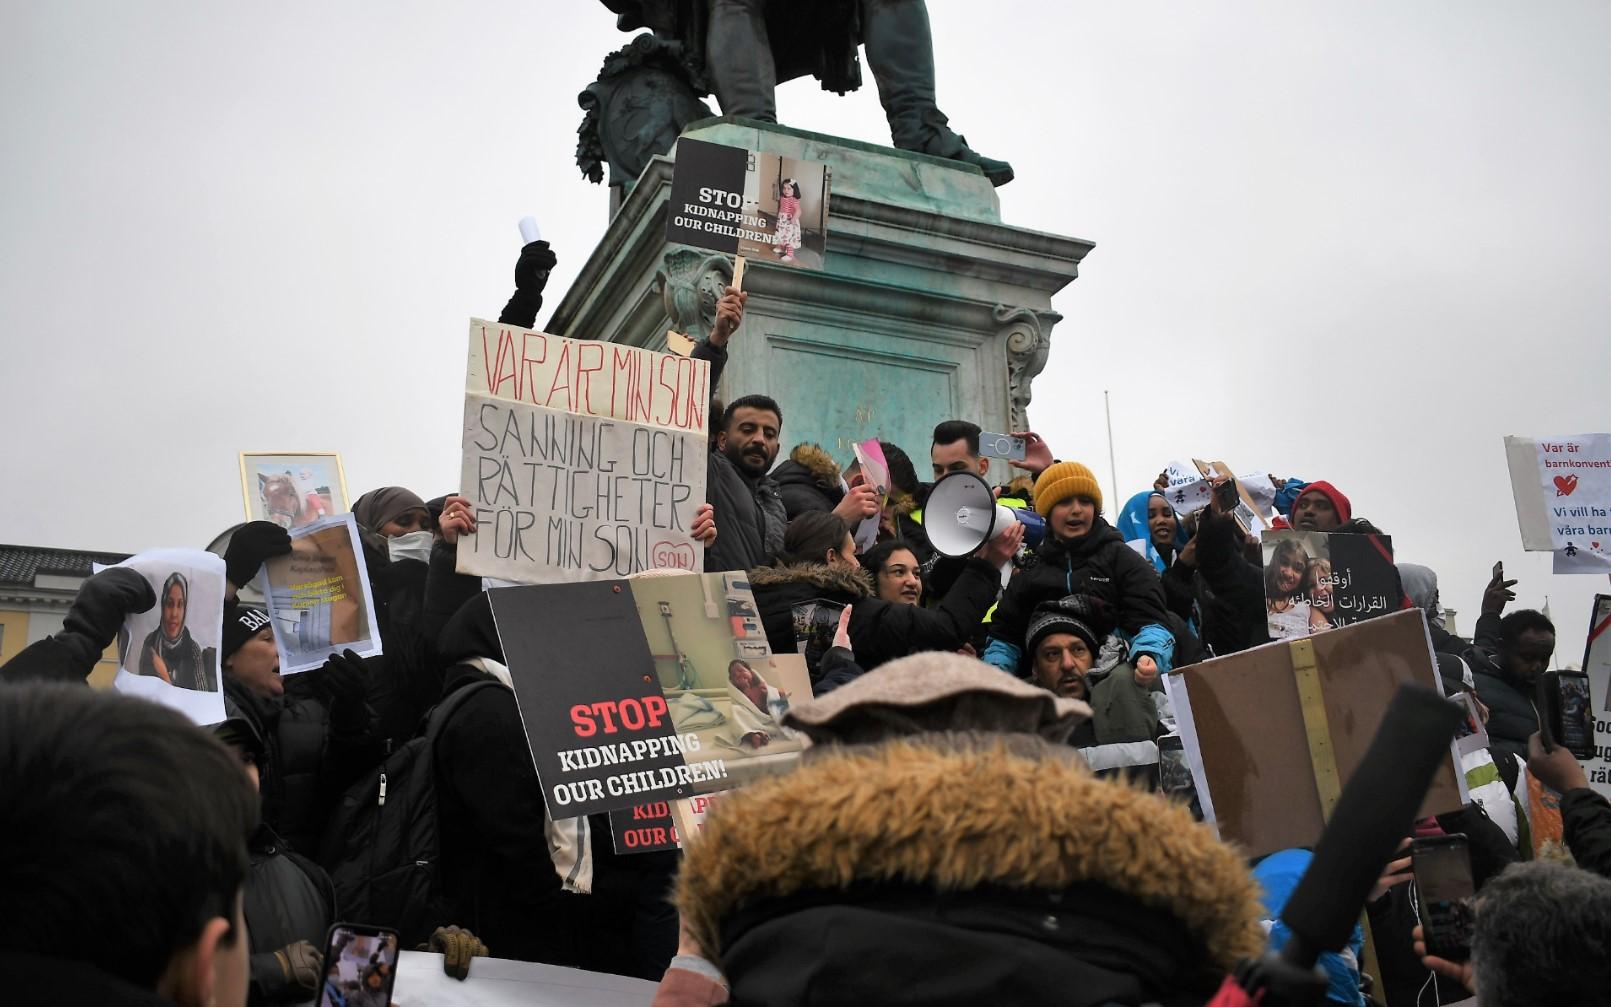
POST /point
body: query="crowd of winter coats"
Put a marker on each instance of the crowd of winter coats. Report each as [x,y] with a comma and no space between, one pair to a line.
[983,814]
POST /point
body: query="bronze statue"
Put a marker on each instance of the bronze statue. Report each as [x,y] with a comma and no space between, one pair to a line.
[739,50]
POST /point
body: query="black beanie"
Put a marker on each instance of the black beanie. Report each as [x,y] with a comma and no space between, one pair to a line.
[240,624]
[1079,614]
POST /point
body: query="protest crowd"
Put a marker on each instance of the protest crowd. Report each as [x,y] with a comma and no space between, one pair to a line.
[993,806]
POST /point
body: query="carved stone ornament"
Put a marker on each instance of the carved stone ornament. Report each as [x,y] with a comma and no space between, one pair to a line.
[1028,342]
[643,97]
[691,281]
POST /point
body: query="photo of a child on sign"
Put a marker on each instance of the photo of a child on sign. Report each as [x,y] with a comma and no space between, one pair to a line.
[722,686]
[1315,581]
[790,198]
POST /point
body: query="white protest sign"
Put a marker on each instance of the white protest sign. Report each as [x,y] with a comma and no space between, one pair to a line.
[583,460]
[1187,490]
[1562,487]
[501,982]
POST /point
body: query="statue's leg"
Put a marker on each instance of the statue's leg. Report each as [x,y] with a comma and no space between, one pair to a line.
[738,56]
[900,50]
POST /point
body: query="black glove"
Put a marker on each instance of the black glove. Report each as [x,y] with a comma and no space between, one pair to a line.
[103,602]
[346,678]
[531,276]
[253,544]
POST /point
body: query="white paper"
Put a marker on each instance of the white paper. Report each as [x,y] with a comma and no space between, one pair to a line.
[1188,491]
[500,982]
[529,231]
[203,620]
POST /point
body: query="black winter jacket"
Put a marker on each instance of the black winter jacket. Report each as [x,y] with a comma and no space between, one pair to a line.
[312,757]
[808,481]
[807,599]
[287,899]
[1097,564]
[1230,589]
[47,981]
[1587,820]
[1512,718]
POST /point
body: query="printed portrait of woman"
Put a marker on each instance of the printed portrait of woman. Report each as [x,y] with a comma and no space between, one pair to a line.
[1284,599]
[169,653]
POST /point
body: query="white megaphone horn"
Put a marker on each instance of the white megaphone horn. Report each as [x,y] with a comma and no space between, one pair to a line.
[962,514]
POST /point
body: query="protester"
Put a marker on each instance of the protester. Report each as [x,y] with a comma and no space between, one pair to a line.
[801,598]
[1148,523]
[1507,656]
[1054,887]
[897,574]
[1539,940]
[289,902]
[1063,640]
[317,727]
[123,858]
[1321,507]
[1083,554]
[533,889]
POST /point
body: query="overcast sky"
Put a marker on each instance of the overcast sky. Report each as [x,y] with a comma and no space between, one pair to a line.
[1358,242]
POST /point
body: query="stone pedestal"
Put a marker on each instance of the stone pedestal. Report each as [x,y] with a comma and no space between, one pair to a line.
[929,307]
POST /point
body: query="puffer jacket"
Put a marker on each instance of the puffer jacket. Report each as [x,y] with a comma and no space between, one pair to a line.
[853,880]
[1098,564]
[808,481]
[800,607]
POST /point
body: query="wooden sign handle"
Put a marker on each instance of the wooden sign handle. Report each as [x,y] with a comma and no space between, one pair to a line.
[738,273]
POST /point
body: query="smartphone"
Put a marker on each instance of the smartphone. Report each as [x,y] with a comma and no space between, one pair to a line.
[1003,446]
[360,965]
[1499,570]
[1566,713]
[1447,894]
[1225,496]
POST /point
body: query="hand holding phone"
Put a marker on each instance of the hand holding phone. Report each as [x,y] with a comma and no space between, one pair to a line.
[1443,882]
[1006,446]
[360,965]
[1566,713]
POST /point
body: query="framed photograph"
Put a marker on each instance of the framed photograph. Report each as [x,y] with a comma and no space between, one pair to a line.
[293,488]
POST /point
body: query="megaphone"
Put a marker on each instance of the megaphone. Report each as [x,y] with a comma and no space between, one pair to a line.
[962,514]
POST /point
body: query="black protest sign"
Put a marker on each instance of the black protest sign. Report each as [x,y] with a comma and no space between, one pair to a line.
[644,828]
[749,203]
[1315,581]
[600,732]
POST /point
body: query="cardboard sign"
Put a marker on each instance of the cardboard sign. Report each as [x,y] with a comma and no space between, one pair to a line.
[1315,581]
[1243,723]
[169,653]
[293,488]
[1562,487]
[635,692]
[318,596]
[749,203]
[583,460]
[1597,665]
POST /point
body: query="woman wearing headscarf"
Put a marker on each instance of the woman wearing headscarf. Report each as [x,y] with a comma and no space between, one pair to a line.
[169,653]
[1151,527]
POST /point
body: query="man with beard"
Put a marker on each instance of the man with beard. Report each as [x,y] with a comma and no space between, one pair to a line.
[750,516]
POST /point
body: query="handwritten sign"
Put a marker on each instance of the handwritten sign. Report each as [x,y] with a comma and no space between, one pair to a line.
[750,203]
[1315,581]
[583,460]
[1563,498]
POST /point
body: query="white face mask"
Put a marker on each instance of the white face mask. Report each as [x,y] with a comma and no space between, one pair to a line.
[414,545]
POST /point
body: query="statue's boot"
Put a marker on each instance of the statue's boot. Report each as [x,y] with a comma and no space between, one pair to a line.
[738,57]
[900,50]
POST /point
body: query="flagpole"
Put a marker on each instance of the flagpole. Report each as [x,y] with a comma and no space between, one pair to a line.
[1113,466]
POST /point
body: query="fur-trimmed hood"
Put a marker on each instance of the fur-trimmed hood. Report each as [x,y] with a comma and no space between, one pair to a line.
[959,813]
[818,463]
[857,583]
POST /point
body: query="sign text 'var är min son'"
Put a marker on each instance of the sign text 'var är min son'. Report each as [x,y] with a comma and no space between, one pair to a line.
[589,378]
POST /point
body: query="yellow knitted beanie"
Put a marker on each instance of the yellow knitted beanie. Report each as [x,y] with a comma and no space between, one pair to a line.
[1064,480]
